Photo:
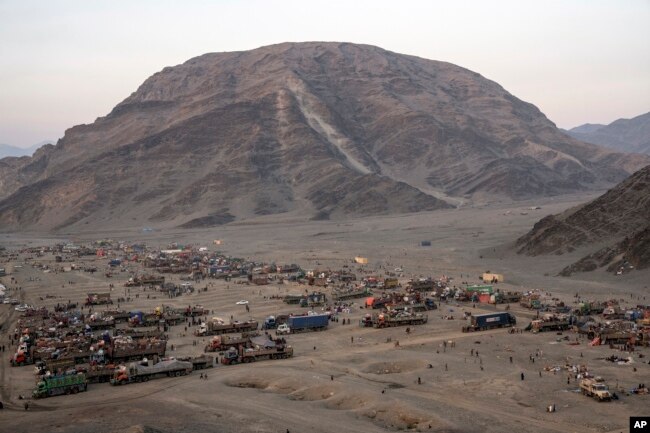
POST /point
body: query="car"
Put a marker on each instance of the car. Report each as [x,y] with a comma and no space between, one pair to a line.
[242,302]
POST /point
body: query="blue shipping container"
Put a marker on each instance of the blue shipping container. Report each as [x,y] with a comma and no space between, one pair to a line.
[492,320]
[307,322]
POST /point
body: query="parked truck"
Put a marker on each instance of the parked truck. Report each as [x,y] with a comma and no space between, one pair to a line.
[272,322]
[550,322]
[138,333]
[99,373]
[218,327]
[343,295]
[50,386]
[423,305]
[393,318]
[195,311]
[22,357]
[224,342]
[145,280]
[137,349]
[315,322]
[243,354]
[532,303]
[507,297]
[484,322]
[200,362]
[587,308]
[55,365]
[292,299]
[315,299]
[391,283]
[100,324]
[142,372]
[98,299]
[423,285]
[119,316]
[139,318]
[596,388]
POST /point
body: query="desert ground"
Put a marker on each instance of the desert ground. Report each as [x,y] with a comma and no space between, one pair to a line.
[347,378]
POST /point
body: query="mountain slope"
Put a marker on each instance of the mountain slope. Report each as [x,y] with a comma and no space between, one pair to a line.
[624,135]
[316,129]
[618,219]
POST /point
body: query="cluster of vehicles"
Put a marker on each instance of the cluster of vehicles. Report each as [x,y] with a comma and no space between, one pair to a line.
[76,380]
[393,318]
[240,342]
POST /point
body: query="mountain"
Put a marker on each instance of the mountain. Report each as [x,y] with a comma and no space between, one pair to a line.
[616,226]
[7,150]
[316,130]
[624,135]
[587,128]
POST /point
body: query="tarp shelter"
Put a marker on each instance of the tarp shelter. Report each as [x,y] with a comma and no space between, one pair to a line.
[361,260]
[489,277]
[262,341]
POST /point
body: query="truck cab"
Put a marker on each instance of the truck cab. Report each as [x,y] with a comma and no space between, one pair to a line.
[21,357]
[270,323]
[230,356]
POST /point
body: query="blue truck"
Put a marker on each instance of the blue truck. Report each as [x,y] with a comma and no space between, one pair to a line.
[316,322]
[272,322]
[482,322]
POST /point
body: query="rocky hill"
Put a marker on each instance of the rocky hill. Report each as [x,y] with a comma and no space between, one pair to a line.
[616,225]
[317,130]
[624,135]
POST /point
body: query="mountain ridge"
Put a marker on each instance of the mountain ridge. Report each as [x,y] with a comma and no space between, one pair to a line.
[625,135]
[7,150]
[617,219]
[318,129]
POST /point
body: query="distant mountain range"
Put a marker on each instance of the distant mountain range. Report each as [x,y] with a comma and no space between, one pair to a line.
[616,226]
[7,150]
[319,130]
[624,135]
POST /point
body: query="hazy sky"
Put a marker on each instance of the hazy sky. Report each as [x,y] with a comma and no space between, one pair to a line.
[64,63]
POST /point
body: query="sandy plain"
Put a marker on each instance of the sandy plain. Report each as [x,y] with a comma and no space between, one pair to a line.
[334,384]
